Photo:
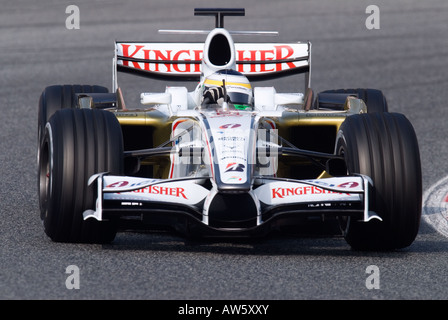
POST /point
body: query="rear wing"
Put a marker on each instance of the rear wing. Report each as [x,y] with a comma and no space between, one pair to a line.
[183,61]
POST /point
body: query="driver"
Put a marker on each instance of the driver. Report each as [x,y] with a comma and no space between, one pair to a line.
[230,86]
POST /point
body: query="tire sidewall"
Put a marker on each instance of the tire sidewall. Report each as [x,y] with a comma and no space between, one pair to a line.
[72,160]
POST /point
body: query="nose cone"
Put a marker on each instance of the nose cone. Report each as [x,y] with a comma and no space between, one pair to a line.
[233,140]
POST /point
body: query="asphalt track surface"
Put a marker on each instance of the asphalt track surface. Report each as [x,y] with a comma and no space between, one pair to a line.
[407,58]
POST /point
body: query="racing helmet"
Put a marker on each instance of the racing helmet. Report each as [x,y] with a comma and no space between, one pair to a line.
[237,87]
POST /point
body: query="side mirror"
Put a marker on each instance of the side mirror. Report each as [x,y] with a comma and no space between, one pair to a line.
[85,101]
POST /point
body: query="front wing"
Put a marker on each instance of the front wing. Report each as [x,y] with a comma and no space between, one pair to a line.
[185,204]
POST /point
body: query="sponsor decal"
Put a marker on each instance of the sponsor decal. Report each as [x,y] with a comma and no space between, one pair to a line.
[177,192]
[233,166]
[234,178]
[141,51]
[118,184]
[221,114]
[280,52]
[177,52]
[299,191]
[231,157]
[225,138]
[230,126]
[130,203]
[351,184]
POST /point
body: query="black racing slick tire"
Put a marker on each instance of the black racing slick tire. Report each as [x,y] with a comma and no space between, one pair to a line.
[57,97]
[77,143]
[384,147]
[373,98]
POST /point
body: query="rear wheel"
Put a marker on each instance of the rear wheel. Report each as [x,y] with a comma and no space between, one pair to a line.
[384,147]
[77,144]
[58,97]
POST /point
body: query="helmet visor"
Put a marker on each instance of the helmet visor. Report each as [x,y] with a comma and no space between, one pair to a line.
[239,98]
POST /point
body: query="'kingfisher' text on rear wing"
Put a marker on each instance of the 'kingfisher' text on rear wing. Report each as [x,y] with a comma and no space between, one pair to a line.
[182,61]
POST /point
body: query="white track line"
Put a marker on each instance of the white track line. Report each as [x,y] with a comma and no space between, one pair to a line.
[435,206]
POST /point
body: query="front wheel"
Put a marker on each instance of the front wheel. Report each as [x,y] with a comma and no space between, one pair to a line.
[77,144]
[384,147]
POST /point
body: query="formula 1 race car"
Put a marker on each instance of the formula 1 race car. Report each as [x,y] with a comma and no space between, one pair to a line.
[225,159]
